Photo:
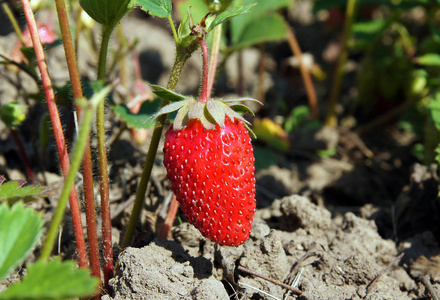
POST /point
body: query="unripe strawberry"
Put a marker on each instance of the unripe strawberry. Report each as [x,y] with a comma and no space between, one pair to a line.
[212,175]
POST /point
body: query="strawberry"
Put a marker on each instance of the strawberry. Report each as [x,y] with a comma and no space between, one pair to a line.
[212,175]
[209,159]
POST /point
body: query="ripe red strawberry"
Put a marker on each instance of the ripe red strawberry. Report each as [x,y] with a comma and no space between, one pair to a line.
[210,163]
[212,175]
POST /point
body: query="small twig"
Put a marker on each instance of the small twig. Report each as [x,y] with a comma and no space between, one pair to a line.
[392,263]
[260,291]
[274,281]
[295,269]
[427,282]
[169,220]
[261,70]
[305,74]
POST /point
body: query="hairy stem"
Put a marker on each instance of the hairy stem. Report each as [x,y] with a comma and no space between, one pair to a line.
[350,14]
[215,49]
[87,169]
[204,90]
[103,165]
[58,133]
[70,178]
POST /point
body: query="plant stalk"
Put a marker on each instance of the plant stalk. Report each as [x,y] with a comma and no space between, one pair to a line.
[103,165]
[204,90]
[58,133]
[180,60]
[70,178]
[350,14]
[87,169]
[215,49]
[305,74]
[13,22]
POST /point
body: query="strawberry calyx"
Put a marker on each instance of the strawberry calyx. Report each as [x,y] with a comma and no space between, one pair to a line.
[210,113]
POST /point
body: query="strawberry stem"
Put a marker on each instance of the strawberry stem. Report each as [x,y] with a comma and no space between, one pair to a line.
[204,90]
[103,165]
[87,168]
[215,48]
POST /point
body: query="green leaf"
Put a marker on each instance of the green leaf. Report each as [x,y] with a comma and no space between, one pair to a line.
[158,8]
[226,15]
[198,9]
[300,117]
[263,8]
[53,280]
[434,110]
[20,230]
[106,12]
[369,27]
[267,28]
[137,121]
[12,191]
[429,59]
[13,114]
[167,94]
[323,153]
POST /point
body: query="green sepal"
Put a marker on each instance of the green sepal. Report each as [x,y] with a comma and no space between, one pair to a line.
[167,94]
[181,117]
[196,111]
[241,108]
[170,108]
[217,111]
[241,99]
[233,114]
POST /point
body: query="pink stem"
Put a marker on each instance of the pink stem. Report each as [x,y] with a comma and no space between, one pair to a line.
[169,220]
[204,90]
